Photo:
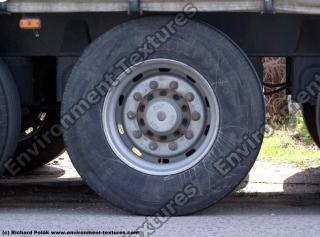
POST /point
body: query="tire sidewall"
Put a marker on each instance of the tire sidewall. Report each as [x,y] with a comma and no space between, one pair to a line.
[10,121]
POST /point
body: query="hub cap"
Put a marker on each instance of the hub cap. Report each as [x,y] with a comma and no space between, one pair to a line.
[162,118]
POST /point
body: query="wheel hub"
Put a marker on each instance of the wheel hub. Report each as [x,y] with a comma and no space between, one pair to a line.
[162,116]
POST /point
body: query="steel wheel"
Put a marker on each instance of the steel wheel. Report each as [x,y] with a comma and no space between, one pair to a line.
[168,121]
[37,124]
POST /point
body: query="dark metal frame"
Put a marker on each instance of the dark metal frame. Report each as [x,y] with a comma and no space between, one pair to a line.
[3,7]
[66,35]
[268,7]
[134,7]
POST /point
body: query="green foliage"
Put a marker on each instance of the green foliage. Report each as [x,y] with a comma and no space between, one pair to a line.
[296,127]
[301,129]
[284,149]
[291,144]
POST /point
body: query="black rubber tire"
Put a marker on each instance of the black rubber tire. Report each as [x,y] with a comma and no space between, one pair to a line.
[10,115]
[54,145]
[309,116]
[242,113]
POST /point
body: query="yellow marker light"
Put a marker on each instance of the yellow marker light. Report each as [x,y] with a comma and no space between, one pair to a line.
[30,23]
[120,129]
[136,151]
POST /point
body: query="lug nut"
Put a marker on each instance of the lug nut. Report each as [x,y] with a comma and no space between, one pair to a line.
[173,85]
[131,115]
[189,97]
[189,135]
[137,96]
[173,146]
[153,85]
[137,134]
[196,116]
[153,146]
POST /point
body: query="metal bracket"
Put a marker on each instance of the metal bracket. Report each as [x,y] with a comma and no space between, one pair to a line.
[134,7]
[318,115]
[3,7]
[268,7]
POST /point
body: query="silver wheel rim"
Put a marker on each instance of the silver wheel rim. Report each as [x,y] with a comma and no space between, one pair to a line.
[162,118]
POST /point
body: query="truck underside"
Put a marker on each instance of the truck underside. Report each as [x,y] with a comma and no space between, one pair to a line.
[157,118]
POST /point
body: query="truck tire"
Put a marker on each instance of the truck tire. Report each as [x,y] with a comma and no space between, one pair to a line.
[10,115]
[309,116]
[174,133]
[37,124]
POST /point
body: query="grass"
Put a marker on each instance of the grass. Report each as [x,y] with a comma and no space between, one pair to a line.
[291,144]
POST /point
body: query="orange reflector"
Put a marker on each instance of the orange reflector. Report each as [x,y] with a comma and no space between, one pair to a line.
[30,23]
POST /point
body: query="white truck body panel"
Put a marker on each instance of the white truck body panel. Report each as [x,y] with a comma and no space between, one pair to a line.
[280,6]
[297,6]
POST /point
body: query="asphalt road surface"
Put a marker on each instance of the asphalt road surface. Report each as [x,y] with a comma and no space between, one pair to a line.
[77,208]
